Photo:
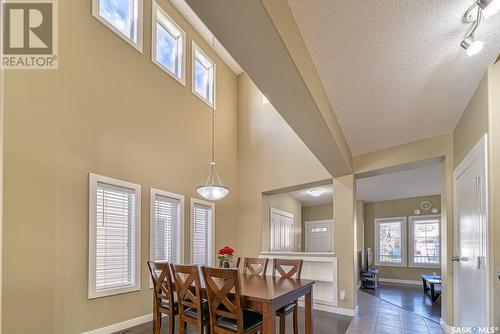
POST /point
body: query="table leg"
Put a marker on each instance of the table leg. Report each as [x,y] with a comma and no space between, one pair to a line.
[308,305]
[433,293]
[269,321]
[425,285]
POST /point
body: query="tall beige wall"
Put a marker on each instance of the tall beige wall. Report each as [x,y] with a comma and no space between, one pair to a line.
[270,156]
[494,189]
[431,148]
[473,124]
[396,208]
[108,110]
[285,203]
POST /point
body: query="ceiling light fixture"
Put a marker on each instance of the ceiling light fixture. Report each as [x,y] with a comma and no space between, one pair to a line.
[316,192]
[470,44]
[213,189]
[489,7]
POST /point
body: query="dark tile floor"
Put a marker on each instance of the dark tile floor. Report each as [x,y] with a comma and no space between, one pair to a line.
[324,323]
[409,297]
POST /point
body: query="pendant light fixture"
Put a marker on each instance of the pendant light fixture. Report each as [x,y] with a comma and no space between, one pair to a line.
[213,189]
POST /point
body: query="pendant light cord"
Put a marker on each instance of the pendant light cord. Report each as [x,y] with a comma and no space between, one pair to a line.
[213,98]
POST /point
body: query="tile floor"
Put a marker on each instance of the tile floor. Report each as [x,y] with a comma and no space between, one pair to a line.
[380,317]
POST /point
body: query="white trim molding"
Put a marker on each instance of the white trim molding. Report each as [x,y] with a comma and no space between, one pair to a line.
[447,328]
[399,281]
[123,325]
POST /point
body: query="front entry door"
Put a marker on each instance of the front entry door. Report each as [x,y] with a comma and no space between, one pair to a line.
[470,260]
[319,236]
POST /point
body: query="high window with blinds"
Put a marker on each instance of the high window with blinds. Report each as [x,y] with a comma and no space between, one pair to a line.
[425,237]
[390,241]
[202,232]
[114,236]
[167,221]
[281,230]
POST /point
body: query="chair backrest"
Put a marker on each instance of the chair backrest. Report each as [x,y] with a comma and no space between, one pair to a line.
[233,263]
[188,285]
[162,281]
[224,294]
[287,268]
[255,266]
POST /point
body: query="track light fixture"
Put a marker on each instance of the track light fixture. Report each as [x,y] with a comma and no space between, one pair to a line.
[480,9]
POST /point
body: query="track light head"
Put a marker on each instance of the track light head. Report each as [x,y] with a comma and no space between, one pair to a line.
[472,46]
[489,7]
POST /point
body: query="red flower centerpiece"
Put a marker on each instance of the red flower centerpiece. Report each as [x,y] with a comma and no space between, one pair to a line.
[225,254]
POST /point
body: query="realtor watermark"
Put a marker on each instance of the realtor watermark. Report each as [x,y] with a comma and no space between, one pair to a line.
[29,34]
[474,330]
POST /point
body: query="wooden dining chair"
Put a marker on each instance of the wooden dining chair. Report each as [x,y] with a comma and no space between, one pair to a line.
[192,308]
[255,266]
[163,296]
[234,263]
[288,269]
[225,301]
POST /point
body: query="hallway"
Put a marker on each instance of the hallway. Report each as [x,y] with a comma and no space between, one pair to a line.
[380,317]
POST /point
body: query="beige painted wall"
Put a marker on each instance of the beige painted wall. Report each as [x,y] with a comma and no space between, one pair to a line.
[286,203]
[109,110]
[430,148]
[270,156]
[317,212]
[473,124]
[396,208]
[494,189]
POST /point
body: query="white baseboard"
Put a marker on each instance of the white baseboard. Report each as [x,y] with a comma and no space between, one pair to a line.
[400,281]
[445,326]
[123,325]
[333,309]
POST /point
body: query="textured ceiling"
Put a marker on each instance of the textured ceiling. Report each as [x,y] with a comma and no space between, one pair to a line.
[394,71]
[307,200]
[422,181]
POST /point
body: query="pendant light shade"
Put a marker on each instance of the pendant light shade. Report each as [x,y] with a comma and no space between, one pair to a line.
[213,189]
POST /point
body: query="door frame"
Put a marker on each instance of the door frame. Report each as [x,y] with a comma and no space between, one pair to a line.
[480,150]
[320,221]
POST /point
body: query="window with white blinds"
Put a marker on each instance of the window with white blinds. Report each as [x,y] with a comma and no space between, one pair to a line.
[114,236]
[202,232]
[281,230]
[167,221]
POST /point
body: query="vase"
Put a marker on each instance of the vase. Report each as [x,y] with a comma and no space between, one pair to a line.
[225,264]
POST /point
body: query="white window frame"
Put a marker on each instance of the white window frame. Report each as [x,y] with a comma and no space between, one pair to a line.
[212,206]
[404,243]
[138,19]
[152,230]
[194,49]
[273,211]
[155,19]
[94,179]
[411,234]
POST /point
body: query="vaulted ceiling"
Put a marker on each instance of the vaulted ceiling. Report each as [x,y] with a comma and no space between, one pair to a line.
[394,71]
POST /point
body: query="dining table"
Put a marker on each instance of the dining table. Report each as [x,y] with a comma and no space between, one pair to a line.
[267,294]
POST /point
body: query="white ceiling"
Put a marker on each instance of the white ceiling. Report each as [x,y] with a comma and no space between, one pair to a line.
[422,181]
[308,200]
[394,70]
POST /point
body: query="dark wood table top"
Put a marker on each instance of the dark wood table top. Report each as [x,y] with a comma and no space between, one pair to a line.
[265,289]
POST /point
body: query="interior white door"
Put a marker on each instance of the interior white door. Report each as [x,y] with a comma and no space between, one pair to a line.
[319,236]
[470,260]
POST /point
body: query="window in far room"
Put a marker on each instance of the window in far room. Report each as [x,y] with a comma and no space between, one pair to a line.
[425,238]
[390,241]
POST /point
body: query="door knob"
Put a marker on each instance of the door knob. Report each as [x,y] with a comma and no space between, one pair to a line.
[455,258]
